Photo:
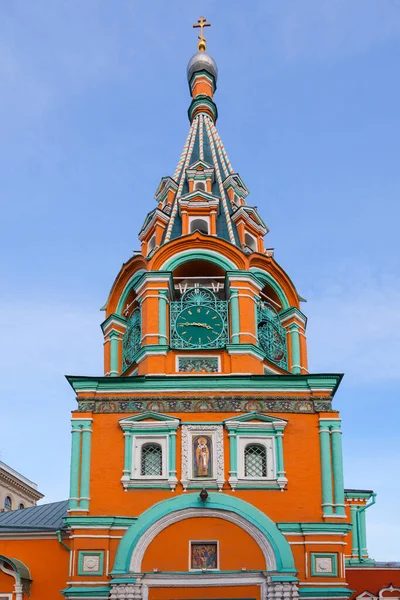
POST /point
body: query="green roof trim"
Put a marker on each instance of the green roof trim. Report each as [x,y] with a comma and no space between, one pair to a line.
[217,383]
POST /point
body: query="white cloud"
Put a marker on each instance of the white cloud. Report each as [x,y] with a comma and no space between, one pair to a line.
[354,325]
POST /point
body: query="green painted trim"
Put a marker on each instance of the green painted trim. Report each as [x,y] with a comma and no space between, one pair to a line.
[233,455]
[236,383]
[339,528]
[205,100]
[355,562]
[235,318]
[332,555]
[114,317]
[206,255]
[355,494]
[129,285]
[337,467]
[284,578]
[74,468]
[82,554]
[293,311]
[149,349]
[267,278]
[105,522]
[87,592]
[325,592]
[85,469]
[254,416]
[264,485]
[150,414]
[162,316]
[247,348]
[172,455]
[115,339]
[295,343]
[128,454]
[326,470]
[280,468]
[215,501]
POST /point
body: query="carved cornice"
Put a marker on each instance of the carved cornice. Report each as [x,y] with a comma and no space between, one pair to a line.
[204,403]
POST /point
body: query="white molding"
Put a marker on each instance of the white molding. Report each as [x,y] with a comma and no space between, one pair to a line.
[151,533]
[216,434]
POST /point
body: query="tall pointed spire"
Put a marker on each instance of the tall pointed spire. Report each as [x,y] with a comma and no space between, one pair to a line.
[205,192]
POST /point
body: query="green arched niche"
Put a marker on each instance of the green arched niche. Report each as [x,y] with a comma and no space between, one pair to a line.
[188,255]
[266,277]
[216,502]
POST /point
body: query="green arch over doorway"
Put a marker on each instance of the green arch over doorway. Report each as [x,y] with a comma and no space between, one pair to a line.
[216,502]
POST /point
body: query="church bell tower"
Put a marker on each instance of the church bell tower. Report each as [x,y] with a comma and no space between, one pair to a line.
[206,461]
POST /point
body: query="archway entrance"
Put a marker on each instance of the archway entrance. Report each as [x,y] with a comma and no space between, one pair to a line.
[219,549]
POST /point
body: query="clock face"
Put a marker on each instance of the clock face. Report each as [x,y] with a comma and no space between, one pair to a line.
[199,325]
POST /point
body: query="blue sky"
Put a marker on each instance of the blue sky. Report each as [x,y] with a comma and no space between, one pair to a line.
[93,112]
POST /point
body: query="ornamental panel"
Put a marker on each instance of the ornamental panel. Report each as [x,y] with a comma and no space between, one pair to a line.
[199,320]
[132,339]
[271,334]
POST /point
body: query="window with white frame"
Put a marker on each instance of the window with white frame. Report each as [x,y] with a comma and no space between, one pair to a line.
[200,185]
[152,244]
[199,224]
[255,460]
[256,457]
[250,241]
[149,457]
[151,460]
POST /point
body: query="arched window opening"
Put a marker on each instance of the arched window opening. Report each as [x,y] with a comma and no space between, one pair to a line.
[255,460]
[250,242]
[199,273]
[151,245]
[200,185]
[21,506]
[7,503]
[151,460]
[199,225]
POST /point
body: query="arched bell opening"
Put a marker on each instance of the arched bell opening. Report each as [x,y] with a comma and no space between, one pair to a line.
[199,274]
[132,338]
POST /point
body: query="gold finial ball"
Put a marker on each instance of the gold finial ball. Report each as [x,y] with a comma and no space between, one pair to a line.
[202,46]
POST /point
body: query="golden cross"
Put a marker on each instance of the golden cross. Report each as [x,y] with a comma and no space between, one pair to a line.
[202,22]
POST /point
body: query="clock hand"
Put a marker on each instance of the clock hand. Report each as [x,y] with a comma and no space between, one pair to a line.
[187,324]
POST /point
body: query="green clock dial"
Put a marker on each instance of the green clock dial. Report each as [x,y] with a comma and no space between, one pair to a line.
[199,325]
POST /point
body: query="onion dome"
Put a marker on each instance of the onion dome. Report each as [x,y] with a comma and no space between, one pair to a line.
[202,61]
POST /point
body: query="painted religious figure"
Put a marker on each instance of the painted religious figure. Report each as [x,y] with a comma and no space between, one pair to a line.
[202,456]
[203,555]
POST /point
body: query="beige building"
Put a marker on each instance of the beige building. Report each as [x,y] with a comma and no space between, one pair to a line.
[16,491]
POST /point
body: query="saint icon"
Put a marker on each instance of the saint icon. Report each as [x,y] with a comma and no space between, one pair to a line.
[202,452]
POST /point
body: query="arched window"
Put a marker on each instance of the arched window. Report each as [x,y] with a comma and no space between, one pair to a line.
[250,242]
[20,506]
[200,185]
[200,225]
[7,503]
[151,460]
[255,460]
[151,244]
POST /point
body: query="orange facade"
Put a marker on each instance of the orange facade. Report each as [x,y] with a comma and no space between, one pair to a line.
[206,462]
